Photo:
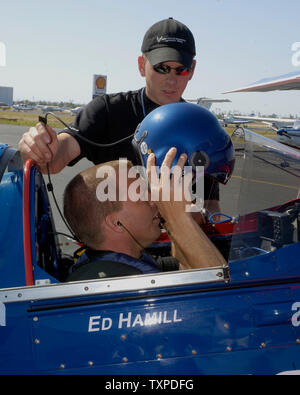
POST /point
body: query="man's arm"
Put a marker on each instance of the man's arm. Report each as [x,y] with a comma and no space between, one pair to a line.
[192,246]
[43,145]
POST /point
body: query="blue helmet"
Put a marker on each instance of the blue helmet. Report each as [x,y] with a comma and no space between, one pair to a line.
[193,130]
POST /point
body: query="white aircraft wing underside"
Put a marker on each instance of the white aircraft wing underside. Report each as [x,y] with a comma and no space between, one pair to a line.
[289,81]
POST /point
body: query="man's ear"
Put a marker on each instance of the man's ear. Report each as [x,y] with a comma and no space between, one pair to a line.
[141,65]
[112,222]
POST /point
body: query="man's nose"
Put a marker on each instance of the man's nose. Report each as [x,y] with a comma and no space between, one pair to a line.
[172,77]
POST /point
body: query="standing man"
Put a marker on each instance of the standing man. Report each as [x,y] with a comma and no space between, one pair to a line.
[167,63]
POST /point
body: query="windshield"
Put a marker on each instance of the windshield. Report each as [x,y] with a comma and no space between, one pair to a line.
[297,124]
[262,195]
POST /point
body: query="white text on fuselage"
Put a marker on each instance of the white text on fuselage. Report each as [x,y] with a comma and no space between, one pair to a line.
[296,316]
[131,320]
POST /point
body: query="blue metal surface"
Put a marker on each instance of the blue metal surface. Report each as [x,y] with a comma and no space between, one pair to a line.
[12,272]
[195,331]
[3,147]
[268,267]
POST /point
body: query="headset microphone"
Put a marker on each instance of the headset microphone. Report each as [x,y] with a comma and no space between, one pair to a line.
[131,235]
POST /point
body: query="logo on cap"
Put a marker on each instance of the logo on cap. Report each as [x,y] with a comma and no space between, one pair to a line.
[170,39]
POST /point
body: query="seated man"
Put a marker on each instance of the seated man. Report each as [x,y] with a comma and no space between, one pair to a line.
[117,231]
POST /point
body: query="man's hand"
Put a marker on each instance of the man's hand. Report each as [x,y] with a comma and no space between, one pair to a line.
[177,186]
[44,146]
[169,189]
[40,143]
[191,246]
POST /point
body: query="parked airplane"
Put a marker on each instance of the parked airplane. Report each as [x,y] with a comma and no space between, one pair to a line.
[290,136]
[234,120]
[51,108]
[76,110]
[287,129]
[4,105]
[207,103]
[23,107]
[275,123]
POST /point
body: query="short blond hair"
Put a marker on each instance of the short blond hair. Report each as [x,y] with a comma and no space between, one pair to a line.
[83,211]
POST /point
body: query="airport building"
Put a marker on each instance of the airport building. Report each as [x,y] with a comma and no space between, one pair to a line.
[6,95]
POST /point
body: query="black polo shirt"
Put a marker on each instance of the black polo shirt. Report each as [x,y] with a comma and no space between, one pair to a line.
[109,118]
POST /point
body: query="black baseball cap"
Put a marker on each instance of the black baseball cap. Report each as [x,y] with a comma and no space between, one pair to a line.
[169,41]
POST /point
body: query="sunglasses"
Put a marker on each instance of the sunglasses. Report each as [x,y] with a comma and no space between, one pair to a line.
[165,69]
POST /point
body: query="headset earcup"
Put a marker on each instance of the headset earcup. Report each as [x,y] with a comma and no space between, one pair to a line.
[199,158]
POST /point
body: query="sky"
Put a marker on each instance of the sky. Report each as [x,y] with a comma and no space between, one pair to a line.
[53,48]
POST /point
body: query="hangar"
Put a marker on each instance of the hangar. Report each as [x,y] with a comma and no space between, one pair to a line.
[6,95]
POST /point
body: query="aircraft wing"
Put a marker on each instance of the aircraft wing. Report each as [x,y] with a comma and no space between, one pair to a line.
[241,122]
[206,102]
[271,121]
[289,81]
